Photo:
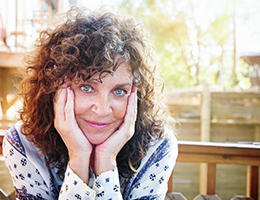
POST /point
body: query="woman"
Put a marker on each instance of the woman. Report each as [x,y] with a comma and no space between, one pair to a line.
[93,125]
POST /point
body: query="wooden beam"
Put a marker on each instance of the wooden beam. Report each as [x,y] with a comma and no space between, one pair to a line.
[252,182]
[205,119]
[170,182]
[4,83]
[219,153]
[257,133]
[218,159]
[210,178]
[1,143]
[217,148]
[6,88]
[13,60]
[205,114]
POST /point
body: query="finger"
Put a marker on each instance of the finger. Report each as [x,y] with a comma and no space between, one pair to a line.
[132,102]
[59,102]
[131,112]
[69,108]
[70,104]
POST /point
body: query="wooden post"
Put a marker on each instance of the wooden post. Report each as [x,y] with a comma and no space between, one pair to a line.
[170,183]
[4,83]
[205,120]
[211,178]
[257,133]
[252,182]
[205,117]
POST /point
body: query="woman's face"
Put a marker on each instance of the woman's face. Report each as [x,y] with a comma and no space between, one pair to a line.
[100,107]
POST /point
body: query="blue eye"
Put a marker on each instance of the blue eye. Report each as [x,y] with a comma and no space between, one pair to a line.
[86,88]
[120,92]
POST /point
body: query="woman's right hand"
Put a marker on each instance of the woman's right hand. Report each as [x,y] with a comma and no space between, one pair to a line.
[79,148]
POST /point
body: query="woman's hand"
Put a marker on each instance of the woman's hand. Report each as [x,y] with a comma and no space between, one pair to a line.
[105,153]
[79,148]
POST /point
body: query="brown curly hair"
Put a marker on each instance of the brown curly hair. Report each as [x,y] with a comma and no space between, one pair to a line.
[84,44]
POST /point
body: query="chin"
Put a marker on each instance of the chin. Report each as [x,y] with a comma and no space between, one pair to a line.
[97,141]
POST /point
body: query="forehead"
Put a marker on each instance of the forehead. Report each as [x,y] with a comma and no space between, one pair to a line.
[122,71]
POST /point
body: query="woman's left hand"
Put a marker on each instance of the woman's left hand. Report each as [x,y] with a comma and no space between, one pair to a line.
[105,153]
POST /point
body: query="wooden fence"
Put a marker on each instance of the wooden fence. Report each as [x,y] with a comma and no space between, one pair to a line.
[214,115]
[222,153]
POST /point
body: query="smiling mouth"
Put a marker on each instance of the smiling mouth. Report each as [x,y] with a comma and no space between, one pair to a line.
[97,125]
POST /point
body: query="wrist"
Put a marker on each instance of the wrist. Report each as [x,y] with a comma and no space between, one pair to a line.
[104,163]
[80,166]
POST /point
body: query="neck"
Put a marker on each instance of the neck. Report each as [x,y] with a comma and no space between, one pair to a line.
[92,159]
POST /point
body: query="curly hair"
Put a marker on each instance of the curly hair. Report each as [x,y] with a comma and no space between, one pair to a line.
[84,44]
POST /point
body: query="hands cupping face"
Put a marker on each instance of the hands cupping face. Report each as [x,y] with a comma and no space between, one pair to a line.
[125,131]
[76,140]
[106,152]
[66,124]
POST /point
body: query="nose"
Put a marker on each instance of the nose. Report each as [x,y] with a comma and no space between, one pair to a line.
[102,105]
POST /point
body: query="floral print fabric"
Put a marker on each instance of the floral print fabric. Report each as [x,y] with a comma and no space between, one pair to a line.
[33,180]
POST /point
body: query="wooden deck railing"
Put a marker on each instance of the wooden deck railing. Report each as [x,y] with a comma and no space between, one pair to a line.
[222,153]
[1,143]
[218,153]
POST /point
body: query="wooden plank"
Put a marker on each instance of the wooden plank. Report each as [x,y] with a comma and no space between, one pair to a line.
[220,153]
[4,89]
[257,133]
[205,119]
[219,148]
[13,60]
[232,132]
[252,182]
[205,114]
[218,159]
[202,178]
[1,143]
[236,111]
[7,81]
[170,182]
[184,101]
[210,178]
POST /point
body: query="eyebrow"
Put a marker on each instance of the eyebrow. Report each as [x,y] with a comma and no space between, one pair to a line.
[123,84]
[96,82]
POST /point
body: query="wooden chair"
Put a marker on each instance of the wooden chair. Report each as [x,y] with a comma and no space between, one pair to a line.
[174,196]
[242,198]
[207,197]
[4,196]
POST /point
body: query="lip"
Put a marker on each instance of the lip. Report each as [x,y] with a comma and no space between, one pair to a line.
[97,125]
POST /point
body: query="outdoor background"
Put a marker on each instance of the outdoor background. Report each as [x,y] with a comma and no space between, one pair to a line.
[212,44]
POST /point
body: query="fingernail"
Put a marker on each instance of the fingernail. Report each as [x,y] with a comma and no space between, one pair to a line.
[68,89]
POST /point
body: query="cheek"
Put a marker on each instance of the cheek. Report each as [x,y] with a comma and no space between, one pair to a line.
[80,104]
[119,108]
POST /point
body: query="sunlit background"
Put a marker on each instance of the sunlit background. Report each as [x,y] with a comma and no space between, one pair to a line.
[199,42]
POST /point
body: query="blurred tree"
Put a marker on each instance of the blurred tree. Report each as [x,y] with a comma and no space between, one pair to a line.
[195,44]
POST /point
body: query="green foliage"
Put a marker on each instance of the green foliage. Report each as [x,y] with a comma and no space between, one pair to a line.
[193,47]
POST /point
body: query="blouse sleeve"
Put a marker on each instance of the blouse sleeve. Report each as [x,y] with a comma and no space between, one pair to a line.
[28,180]
[106,186]
[74,188]
[151,181]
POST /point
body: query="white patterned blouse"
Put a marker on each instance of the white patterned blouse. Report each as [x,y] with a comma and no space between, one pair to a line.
[33,180]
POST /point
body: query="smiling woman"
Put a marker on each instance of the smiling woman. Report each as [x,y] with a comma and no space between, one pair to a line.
[93,124]
[100,107]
